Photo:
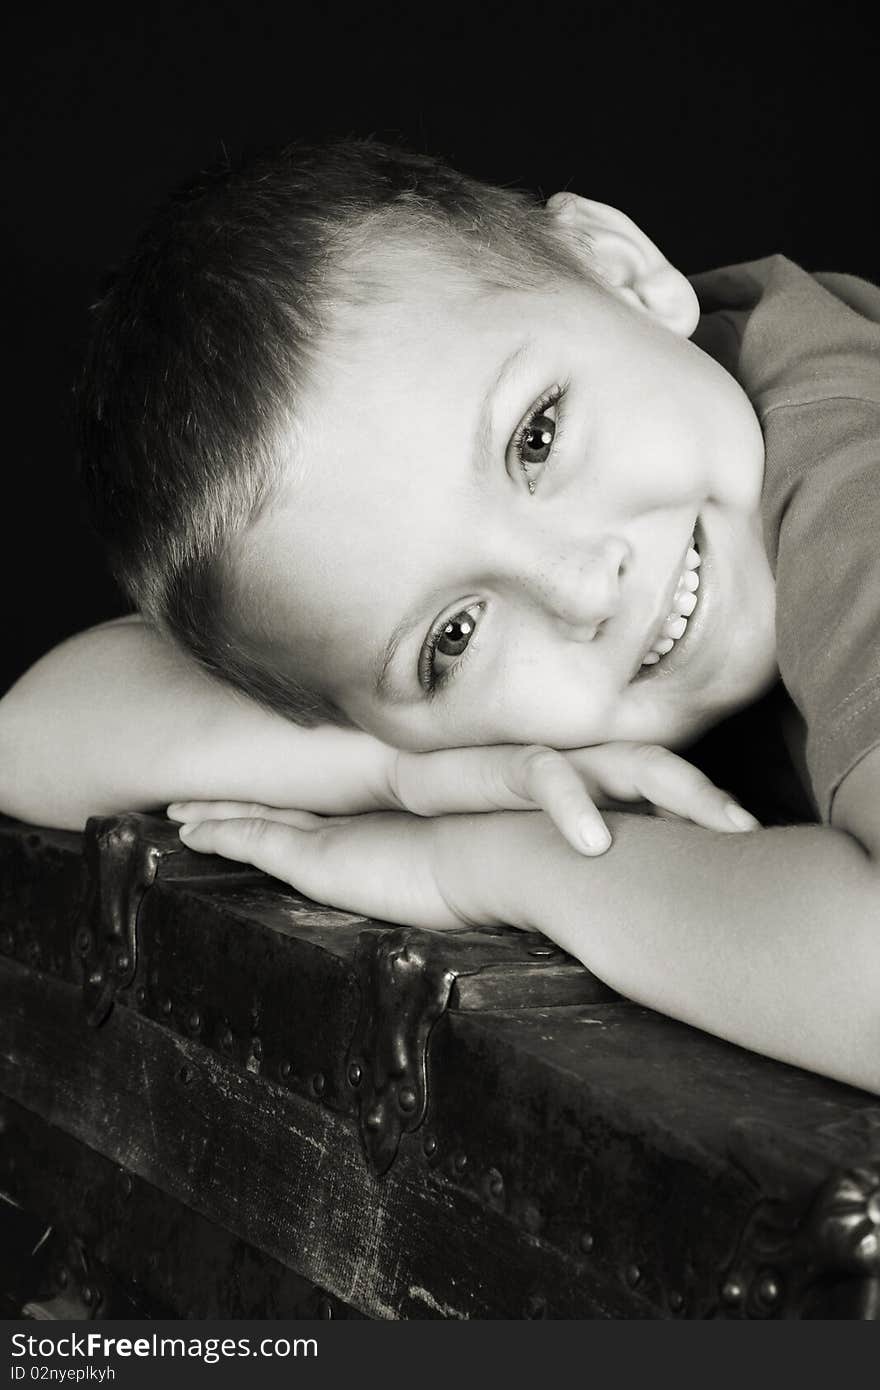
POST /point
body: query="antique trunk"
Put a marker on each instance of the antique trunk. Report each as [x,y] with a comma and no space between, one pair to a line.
[218,1099]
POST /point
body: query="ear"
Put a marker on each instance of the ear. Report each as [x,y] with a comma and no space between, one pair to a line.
[627,261]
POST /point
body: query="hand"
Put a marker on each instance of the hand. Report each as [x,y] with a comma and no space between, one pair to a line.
[570,786]
[440,872]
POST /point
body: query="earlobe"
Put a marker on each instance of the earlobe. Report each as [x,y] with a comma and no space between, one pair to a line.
[627,261]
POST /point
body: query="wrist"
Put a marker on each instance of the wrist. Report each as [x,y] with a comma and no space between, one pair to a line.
[506,863]
[386,773]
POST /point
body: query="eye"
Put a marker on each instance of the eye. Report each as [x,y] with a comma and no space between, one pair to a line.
[447,642]
[534,439]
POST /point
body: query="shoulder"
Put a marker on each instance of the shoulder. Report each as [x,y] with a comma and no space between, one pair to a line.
[857,294]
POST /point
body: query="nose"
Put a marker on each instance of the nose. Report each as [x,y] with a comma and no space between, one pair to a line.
[581,589]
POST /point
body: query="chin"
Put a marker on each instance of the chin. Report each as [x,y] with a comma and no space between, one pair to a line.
[728,702]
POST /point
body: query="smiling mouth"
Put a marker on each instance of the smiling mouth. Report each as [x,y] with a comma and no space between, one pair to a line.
[685,602]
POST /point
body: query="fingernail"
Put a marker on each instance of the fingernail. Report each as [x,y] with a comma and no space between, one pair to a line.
[740,817]
[174,808]
[596,837]
[189,829]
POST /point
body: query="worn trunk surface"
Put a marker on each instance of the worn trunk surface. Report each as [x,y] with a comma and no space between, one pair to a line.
[220,1099]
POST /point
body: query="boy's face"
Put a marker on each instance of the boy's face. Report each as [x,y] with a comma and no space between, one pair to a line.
[541,566]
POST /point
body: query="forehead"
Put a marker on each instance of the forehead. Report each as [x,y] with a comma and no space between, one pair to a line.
[395,299]
[393,277]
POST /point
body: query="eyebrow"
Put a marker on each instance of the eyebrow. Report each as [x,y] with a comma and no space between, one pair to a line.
[481,460]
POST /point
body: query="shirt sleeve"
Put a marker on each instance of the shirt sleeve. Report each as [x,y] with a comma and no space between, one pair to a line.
[822,529]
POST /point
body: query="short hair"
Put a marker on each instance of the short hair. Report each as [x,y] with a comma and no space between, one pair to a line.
[204,344]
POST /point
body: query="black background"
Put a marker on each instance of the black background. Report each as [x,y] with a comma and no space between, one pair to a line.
[727,135]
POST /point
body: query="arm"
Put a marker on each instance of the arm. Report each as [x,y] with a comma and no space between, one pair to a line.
[771,939]
[117,718]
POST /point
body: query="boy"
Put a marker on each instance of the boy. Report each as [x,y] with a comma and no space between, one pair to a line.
[388,449]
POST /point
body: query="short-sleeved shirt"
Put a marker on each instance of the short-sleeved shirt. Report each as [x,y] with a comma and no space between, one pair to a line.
[806,350]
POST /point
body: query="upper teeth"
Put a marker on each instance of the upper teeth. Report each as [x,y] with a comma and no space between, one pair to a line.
[683,605]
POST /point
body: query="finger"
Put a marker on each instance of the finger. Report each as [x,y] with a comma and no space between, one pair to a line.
[349,863]
[288,852]
[547,779]
[191,811]
[655,774]
[502,777]
[457,780]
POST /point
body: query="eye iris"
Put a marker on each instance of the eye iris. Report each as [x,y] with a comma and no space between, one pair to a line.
[456,635]
[538,438]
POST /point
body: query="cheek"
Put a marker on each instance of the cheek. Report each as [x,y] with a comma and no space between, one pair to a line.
[549,702]
[738,458]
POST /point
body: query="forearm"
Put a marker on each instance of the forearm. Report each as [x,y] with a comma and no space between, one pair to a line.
[771,940]
[119,719]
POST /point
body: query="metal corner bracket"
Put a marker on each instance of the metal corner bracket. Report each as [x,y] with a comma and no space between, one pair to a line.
[405,987]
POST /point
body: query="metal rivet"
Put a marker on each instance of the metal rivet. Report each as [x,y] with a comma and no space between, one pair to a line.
[123,961]
[542,950]
[429,1146]
[195,1020]
[531,1218]
[460,1162]
[676,1301]
[318,1083]
[256,1048]
[97,976]
[406,1099]
[125,1184]
[62,1277]
[495,1183]
[284,1070]
[768,1289]
[140,995]
[633,1275]
[165,1005]
[732,1291]
[587,1242]
[88,1295]
[354,1074]
[325,1308]
[83,942]
[374,1120]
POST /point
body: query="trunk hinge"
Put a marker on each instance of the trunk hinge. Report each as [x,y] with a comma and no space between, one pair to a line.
[405,987]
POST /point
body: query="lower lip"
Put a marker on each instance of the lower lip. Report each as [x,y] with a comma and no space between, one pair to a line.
[675,659]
